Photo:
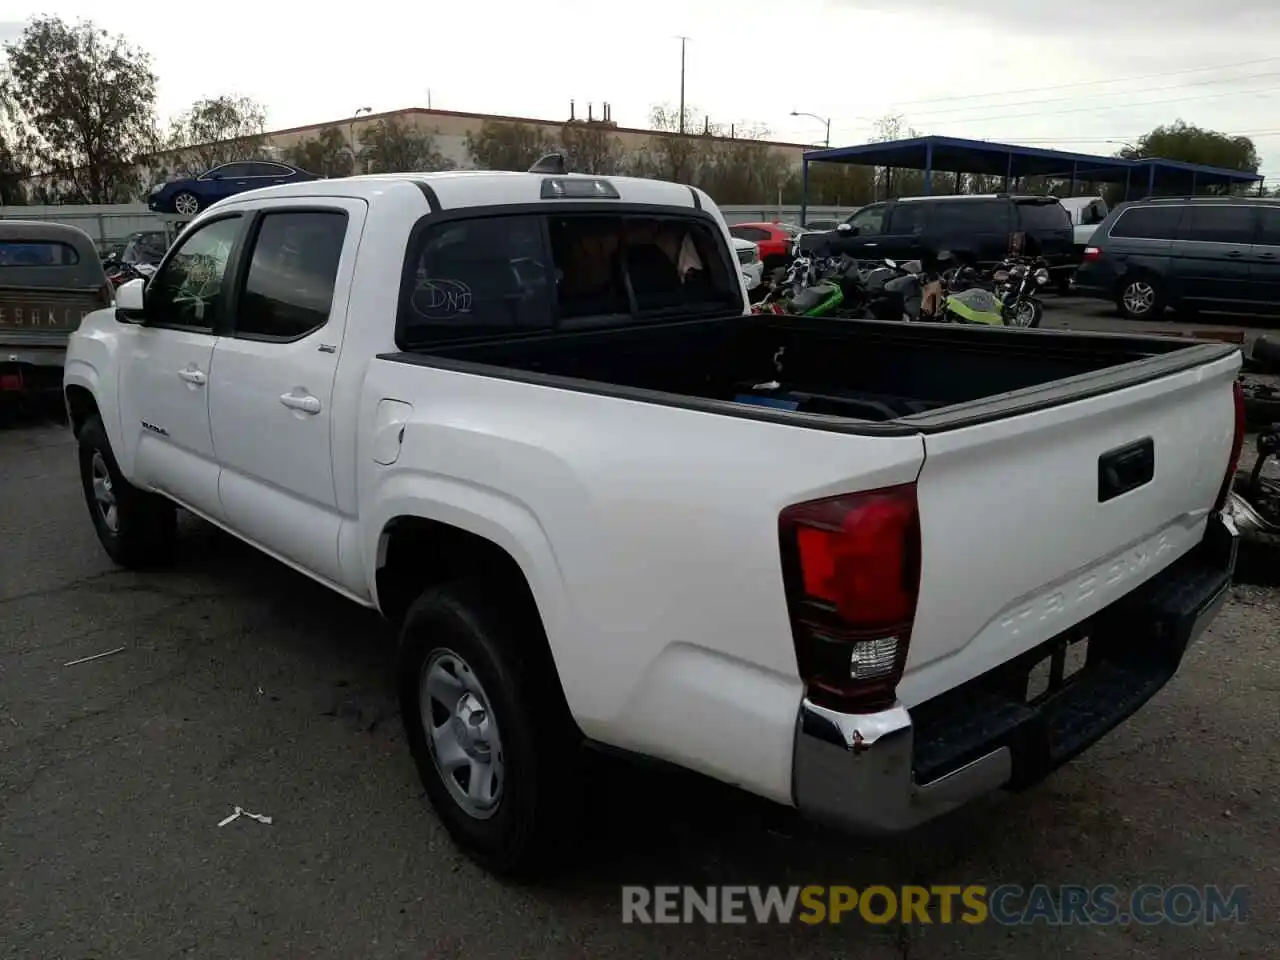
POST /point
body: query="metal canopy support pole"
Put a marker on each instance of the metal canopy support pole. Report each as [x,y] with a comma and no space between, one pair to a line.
[1075,166]
[1193,183]
[1008,172]
[1128,173]
[804,188]
[928,168]
[1151,180]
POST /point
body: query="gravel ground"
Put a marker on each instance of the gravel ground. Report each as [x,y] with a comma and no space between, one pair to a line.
[243,683]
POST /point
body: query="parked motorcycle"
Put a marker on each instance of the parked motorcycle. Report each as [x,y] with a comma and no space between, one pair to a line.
[1254,506]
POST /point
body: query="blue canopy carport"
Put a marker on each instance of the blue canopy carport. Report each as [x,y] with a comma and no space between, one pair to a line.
[1141,178]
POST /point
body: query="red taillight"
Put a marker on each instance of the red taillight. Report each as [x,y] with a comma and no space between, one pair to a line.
[1092,253]
[1237,446]
[851,565]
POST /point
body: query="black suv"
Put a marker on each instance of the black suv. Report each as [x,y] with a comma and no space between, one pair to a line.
[1190,253]
[976,229]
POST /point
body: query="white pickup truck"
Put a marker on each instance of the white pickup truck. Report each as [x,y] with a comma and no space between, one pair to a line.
[848,566]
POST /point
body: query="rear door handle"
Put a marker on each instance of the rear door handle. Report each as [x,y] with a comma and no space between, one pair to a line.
[1235,253]
[192,375]
[1266,256]
[304,402]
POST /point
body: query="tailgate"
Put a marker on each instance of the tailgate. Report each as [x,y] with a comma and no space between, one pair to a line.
[35,315]
[1024,534]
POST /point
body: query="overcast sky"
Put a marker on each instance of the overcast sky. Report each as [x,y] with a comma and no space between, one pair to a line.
[1064,75]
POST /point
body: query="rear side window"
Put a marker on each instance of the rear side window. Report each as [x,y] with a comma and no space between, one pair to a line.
[970,216]
[1147,223]
[1217,224]
[754,234]
[288,289]
[37,253]
[1044,217]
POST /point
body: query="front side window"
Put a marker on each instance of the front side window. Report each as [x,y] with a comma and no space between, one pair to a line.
[869,221]
[188,290]
[1269,228]
[1212,223]
[288,288]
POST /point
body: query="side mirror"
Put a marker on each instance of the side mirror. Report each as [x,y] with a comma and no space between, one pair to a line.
[130,298]
[847,230]
[215,176]
[893,264]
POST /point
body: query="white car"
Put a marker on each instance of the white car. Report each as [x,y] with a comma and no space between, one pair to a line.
[752,266]
[608,506]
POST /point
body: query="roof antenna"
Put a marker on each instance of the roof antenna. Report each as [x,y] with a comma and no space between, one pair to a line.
[551,163]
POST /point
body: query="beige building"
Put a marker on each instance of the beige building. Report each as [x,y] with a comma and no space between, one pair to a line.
[450,129]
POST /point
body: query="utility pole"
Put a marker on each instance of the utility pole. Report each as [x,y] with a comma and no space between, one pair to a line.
[683,41]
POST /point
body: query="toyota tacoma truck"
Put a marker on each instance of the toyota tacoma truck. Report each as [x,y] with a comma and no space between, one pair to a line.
[869,570]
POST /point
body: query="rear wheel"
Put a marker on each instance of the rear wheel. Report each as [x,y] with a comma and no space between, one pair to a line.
[1140,298]
[1026,313]
[495,747]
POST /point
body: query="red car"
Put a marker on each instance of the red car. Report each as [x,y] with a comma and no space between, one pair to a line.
[773,239]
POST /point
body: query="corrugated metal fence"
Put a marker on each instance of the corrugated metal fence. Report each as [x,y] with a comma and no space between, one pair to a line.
[105,223]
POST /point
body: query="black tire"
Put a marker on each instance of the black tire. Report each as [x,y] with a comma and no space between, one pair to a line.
[497,636]
[1063,285]
[1267,351]
[1134,290]
[190,212]
[144,526]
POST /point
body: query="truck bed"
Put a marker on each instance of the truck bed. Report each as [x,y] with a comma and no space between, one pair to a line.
[858,376]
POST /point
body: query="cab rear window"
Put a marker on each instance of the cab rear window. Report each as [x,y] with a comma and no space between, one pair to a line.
[501,276]
[37,253]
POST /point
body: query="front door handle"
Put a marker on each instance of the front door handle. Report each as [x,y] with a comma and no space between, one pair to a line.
[303,402]
[1235,253]
[869,244]
[192,375]
[1266,256]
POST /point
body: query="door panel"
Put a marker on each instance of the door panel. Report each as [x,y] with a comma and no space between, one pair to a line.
[1264,258]
[166,364]
[1211,261]
[164,406]
[272,389]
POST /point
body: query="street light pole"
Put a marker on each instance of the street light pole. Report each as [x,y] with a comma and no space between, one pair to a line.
[351,130]
[826,121]
[683,41]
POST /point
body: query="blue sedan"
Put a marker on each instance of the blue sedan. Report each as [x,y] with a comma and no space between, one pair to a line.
[189,196]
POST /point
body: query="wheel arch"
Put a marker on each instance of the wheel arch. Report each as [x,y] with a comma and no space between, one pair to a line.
[417,545]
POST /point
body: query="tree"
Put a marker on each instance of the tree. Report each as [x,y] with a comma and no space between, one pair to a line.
[507,145]
[391,146]
[1191,144]
[327,154]
[85,106]
[591,147]
[213,131]
[891,182]
[743,170]
[670,155]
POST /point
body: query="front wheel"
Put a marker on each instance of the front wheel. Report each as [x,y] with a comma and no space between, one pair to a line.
[135,527]
[1140,299]
[186,204]
[1026,313]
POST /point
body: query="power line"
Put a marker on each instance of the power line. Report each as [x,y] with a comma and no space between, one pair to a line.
[1119,106]
[1086,83]
[1111,93]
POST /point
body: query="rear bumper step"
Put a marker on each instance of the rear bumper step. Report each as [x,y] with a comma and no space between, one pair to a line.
[892,770]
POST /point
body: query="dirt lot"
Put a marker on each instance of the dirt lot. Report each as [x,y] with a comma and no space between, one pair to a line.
[243,683]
